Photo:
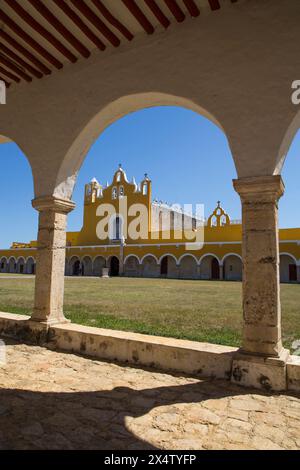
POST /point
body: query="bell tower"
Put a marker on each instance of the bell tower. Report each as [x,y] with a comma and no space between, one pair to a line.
[92,191]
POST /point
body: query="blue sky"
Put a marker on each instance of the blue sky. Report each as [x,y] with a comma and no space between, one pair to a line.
[186,156]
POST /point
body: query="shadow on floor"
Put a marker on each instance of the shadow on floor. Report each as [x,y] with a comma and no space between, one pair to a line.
[91,420]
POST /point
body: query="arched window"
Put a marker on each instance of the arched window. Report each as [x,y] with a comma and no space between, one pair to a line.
[114,193]
[117,228]
[121,191]
[145,189]
[119,177]
[223,220]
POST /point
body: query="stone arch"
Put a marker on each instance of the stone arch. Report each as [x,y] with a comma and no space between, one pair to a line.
[12,265]
[168,266]
[150,266]
[232,267]
[20,269]
[151,256]
[288,268]
[3,264]
[132,266]
[208,267]
[95,123]
[86,266]
[99,263]
[188,267]
[30,265]
[286,143]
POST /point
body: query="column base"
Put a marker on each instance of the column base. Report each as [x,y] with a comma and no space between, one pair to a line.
[266,373]
[50,322]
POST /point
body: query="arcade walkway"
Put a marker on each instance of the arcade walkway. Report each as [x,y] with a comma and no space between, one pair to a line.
[51,400]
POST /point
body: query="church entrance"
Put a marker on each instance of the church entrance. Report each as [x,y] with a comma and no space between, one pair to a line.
[114,266]
[215,270]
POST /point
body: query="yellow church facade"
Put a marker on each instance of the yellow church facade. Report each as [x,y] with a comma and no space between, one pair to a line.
[125,233]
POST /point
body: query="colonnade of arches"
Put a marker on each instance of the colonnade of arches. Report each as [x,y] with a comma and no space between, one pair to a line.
[19,265]
[188,266]
[208,267]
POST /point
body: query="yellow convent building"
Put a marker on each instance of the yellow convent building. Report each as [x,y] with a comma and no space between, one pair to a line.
[126,233]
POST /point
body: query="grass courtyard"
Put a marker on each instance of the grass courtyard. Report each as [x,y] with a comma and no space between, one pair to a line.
[196,310]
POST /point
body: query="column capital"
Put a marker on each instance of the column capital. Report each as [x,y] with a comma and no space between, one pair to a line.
[260,188]
[52,203]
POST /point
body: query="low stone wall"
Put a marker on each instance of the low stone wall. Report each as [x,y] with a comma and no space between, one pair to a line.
[189,357]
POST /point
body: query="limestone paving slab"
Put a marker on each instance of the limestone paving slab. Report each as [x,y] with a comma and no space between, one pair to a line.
[55,400]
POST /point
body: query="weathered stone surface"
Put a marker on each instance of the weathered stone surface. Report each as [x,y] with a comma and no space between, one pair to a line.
[261,299]
[50,267]
[259,372]
[293,373]
[108,406]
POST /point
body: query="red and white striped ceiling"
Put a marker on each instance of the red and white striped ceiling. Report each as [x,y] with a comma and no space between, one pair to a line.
[39,36]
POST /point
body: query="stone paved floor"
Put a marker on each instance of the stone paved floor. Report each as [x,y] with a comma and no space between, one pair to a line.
[51,400]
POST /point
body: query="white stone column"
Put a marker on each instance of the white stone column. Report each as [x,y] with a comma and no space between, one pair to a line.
[261,286]
[50,266]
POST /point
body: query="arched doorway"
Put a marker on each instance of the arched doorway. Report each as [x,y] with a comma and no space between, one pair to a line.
[209,267]
[164,267]
[215,269]
[20,266]
[114,266]
[30,266]
[76,268]
[3,265]
[168,267]
[288,268]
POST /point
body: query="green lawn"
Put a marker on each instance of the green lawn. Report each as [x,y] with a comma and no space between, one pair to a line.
[196,310]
